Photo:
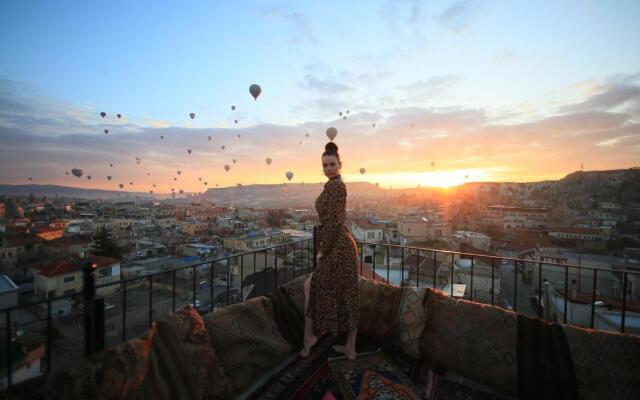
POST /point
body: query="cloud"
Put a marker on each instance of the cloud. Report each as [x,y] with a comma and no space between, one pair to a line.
[458,16]
[433,86]
[301,29]
[324,85]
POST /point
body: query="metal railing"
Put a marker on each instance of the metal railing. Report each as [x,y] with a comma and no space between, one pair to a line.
[442,267]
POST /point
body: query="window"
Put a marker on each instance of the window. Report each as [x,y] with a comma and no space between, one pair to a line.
[69,278]
[438,233]
[371,235]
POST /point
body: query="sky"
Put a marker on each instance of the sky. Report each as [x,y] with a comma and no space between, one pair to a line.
[459,91]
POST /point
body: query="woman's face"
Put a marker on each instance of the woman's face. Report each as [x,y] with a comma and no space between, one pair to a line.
[331,166]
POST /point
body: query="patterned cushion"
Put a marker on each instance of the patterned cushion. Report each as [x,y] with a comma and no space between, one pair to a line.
[379,306]
[188,327]
[475,340]
[411,320]
[606,364]
[295,290]
[247,340]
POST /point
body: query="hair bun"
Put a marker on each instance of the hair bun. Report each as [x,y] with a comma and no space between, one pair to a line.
[331,148]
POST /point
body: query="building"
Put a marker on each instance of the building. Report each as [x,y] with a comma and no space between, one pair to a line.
[2,210]
[199,250]
[509,217]
[48,233]
[8,255]
[577,234]
[64,275]
[473,239]
[367,230]
[422,230]
[60,223]
[194,228]
[8,292]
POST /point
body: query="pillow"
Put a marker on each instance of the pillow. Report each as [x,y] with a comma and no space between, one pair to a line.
[188,326]
[247,340]
[606,364]
[295,290]
[411,320]
[476,340]
[379,307]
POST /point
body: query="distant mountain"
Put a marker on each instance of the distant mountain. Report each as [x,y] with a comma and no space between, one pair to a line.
[68,192]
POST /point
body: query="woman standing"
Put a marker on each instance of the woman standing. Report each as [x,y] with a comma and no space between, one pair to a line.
[331,292]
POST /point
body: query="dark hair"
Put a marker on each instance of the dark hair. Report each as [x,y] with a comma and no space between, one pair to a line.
[331,149]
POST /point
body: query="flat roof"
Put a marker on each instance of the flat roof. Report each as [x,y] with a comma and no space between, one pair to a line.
[6,284]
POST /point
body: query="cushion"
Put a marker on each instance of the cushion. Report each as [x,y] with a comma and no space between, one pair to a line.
[188,326]
[606,364]
[411,320]
[379,306]
[295,290]
[247,340]
[476,340]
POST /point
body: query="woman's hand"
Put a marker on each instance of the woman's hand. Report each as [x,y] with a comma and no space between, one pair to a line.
[319,256]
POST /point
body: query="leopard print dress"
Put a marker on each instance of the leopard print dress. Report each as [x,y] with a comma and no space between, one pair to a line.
[333,298]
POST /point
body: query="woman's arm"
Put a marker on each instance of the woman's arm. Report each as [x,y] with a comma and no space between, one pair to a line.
[336,216]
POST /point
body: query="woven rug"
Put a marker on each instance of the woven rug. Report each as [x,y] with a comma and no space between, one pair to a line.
[372,376]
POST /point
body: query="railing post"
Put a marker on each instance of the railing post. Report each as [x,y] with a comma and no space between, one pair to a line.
[212,276]
[493,267]
[624,301]
[93,311]
[472,262]
[49,335]
[195,278]
[418,269]
[515,287]
[452,264]
[566,291]
[173,290]
[266,281]
[593,297]
[373,260]
[124,308]
[228,280]
[402,266]
[388,262]
[9,345]
[435,267]
[150,300]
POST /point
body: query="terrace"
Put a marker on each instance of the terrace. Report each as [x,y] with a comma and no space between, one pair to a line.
[488,336]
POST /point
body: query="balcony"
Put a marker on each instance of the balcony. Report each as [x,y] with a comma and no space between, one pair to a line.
[248,328]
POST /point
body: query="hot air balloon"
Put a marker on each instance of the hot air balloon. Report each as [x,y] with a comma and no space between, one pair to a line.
[235,121]
[161,136]
[131,183]
[255,91]
[173,190]
[238,184]
[432,163]
[89,177]
[347,111]
[108,177]
[175,179]
[233,108]
[332,133]
[103,114]
[148,173]
[227,167]
[200,178]
[209,137]
[119,116]
[238,136]
[340,113]
[377,184]
[345,117]
[362,170]
[216,185]
[373,125]
[179,172]
[30,178]
[151,191]
[76,172]
[306,135]
[181,191]
[205,183]
[66,172]
[189,151]
[222,147]
[466,177]
[106,131]
[234,160]
[121,185]
[289,175]
[154,185]
[192,115]
[268,160]
[412,125]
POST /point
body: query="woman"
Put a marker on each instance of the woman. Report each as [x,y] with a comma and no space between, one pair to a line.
[331,292]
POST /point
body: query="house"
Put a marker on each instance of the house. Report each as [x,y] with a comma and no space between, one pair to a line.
[48,233]
[422,229]
[367,230]
[8,292]
[474,239]
[199,250]
[510,217]
[64,275]
[194,228]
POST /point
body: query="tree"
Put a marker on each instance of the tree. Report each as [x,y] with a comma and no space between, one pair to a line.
[104,246]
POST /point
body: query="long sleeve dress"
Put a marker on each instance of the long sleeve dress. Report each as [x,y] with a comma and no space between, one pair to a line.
[333,299]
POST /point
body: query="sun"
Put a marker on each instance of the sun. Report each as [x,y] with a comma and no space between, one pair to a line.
[439,179]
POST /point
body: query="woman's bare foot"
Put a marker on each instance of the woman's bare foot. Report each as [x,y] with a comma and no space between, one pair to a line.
[308,344]
[351,354]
